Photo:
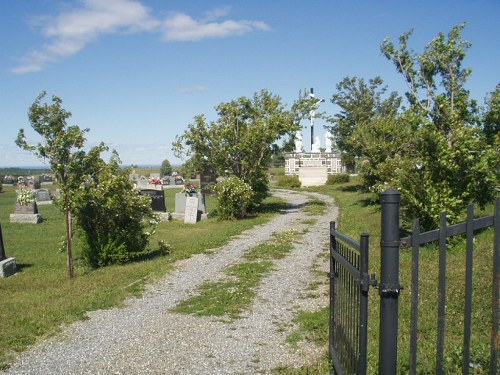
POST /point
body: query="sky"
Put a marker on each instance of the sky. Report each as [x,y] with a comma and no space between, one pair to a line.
[136,72]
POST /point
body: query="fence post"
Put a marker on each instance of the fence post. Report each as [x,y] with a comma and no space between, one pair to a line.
[389,286]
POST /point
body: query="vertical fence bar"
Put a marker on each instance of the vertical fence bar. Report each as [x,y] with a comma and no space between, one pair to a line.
[363,305]
[332,289]
[415,255]
[495,340]
[389,286]
[2,248]
[468,287]
[441,296]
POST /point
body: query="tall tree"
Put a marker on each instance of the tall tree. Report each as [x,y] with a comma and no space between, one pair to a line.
[62,146]
[452,164]
[360,102]
[240,141]
[492,117]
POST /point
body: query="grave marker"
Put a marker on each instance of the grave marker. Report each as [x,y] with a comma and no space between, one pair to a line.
[157,199]
[191,211]
[43,197]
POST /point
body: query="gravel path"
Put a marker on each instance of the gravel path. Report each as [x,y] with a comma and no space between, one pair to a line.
[144,337]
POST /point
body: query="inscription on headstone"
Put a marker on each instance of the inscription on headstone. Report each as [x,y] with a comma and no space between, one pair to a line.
[157,199]
[191,212]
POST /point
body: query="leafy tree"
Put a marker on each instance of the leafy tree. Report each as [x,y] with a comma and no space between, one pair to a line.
[492,117]
[451,165]
[166,168]
[360,102]
[240,141]
[62,146]
[116,220]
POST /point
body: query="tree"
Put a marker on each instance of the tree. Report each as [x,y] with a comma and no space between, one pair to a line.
[492,117]
[62,146]
[240,141]
[452,164]
[360,103]
[166,168]
[116,221]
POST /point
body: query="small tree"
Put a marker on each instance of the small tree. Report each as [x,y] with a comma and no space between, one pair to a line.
[62,146]
[166,168]
[116,220]
[240,142]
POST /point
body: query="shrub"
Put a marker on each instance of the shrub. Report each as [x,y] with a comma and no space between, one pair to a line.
[234,197]
[289,181]
[115,220]
[334,179]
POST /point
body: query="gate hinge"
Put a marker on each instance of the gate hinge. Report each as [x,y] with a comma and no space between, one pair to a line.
[389,289]
[367,281]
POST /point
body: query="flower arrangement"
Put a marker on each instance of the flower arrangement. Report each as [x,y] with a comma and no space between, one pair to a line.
[25,196]
[154,181]
[189,189]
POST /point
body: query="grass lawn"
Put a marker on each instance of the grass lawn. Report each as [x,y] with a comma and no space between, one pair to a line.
[40,298]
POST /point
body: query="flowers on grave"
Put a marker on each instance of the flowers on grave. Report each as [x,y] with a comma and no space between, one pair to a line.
[189,189]
[154,181]
[25,196]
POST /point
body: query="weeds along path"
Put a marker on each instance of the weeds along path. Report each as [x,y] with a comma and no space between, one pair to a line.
[148,337]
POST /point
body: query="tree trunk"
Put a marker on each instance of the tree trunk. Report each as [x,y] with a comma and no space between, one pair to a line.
[69,244]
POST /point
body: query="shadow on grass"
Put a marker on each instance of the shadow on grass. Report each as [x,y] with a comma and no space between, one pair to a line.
[273,207]
[351,188]
[21,266]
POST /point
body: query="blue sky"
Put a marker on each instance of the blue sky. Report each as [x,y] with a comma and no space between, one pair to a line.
[136,72]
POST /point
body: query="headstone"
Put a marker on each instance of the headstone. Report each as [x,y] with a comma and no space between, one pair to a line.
[142,183]
[9,181]
[7,267]
[26,214]
[45,179]
[31,184]
[205,180]
[178,180]
[191,210]
[165,180]
[43,197]
[157,199]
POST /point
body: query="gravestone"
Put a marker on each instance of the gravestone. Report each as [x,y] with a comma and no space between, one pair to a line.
[43,197]
[27,214]
[9,181]
[7,265]
[45,179]
[191,210]
[142,183]
[178,180]
[157,199]
[31,184]
[165,180]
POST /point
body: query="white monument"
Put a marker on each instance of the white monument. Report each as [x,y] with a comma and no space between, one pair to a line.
[298,141]
[328,141]
[316,145]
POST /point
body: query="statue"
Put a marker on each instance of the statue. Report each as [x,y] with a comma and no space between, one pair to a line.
[328,141]
[316,145]
[298,141]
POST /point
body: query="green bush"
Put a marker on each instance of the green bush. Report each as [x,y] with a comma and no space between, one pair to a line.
[115,220]
[334,179]
[234,197]
[288,181]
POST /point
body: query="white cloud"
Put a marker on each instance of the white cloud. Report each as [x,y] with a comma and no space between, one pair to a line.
[182,27]
[71,31]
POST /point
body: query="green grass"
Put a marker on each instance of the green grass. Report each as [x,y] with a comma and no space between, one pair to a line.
[40,299]
[235,294]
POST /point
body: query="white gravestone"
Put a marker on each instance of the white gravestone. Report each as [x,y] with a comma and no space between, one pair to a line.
[191,212]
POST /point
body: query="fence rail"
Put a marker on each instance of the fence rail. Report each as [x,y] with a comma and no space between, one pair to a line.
[349,284]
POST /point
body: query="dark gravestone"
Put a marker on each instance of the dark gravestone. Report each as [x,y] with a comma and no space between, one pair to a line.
[157,199]
[42,196]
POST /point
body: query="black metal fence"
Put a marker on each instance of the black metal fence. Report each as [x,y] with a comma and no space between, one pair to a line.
[350,283]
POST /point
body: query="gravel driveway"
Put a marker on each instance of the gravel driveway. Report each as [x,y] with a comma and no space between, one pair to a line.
[145,337]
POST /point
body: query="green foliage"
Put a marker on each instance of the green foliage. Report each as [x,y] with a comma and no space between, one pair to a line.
[240,142]
[334,179]
[63,147]
[234,197]
[166,168]
[445,162]
[288,181]
[116,221]
[360,103]
[492,117]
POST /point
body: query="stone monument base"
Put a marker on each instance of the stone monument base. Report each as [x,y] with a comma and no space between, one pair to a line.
[313,176]
[7,267]
[26,218]
[181,216]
